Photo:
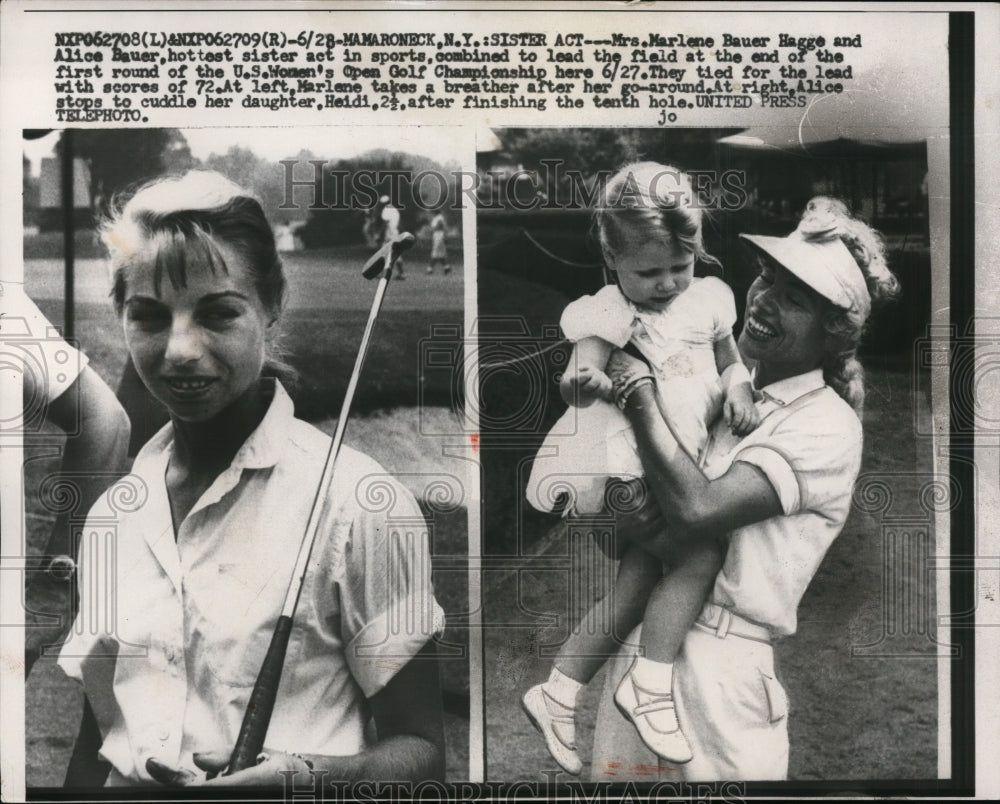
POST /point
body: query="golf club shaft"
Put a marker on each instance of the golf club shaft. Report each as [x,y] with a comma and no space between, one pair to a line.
[253,731]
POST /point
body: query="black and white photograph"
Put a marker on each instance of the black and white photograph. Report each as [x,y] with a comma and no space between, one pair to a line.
[223,323]
[778,291]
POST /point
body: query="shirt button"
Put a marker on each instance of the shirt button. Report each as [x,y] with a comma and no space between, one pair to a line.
[163,734]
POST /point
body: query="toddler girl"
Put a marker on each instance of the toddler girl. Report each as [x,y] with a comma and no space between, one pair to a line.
[649,226]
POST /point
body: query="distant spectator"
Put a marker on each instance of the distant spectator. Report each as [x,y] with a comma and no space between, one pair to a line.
[390,231]
[439,246]
[284,237]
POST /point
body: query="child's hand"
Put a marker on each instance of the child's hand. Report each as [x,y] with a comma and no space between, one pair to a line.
[586,386]
[739,410]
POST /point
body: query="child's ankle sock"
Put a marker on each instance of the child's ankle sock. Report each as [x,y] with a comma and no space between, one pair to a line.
[653,676]
[563,689]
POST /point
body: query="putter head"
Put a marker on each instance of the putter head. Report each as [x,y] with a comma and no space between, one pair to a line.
[384,258]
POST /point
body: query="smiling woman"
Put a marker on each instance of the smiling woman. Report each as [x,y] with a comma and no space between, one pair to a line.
[200,568]
[778,497]
[198,341]
[784,328]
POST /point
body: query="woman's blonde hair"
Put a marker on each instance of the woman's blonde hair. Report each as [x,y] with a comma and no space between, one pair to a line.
[654,201]
[177,220]
[842,370]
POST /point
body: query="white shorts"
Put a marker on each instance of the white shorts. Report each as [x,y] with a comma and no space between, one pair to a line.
[731,707]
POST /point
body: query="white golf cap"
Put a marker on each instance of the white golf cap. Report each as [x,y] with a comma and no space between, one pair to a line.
[822,261]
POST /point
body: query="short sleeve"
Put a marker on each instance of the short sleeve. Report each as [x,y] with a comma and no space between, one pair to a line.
[51,365]
[388,609]
[606,315]
[716,297]
[812,458]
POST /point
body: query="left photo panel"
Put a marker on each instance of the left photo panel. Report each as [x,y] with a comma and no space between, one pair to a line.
[246,526]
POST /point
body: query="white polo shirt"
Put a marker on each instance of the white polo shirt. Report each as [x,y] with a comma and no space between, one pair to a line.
[193,616]
[809,447]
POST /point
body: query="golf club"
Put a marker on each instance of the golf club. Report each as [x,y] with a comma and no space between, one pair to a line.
[261,704]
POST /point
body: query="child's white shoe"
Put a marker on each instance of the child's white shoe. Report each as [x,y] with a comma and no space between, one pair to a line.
[555,722]
[655,718]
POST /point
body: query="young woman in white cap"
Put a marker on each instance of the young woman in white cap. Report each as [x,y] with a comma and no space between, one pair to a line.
[782,493]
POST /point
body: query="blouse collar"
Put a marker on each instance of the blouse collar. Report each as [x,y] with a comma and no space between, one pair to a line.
[791,388]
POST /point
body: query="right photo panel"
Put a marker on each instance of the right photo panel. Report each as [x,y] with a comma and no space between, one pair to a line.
[709,498]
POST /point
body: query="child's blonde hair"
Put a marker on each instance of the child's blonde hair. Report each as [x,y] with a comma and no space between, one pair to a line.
[655,202]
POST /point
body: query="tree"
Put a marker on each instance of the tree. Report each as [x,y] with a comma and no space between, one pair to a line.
[266,179]
[30,193]
[122,158]
[586,150]
[418,187]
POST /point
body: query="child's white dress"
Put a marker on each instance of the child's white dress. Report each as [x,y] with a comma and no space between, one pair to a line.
[591,444]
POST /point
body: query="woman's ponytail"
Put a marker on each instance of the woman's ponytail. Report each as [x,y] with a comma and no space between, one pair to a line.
[841,369]
[845,375]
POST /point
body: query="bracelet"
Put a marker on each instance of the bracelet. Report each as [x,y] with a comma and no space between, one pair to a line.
[308,762]
[622,381]
[61,568]
[263,757]
[623,394]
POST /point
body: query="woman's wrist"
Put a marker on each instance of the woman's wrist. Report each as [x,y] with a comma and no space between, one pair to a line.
[734,375]
[625,386]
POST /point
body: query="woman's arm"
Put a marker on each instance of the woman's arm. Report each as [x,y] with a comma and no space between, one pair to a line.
[408,720]
[97,449]
[689,501]
[410,747]
[585,380]
[93,458]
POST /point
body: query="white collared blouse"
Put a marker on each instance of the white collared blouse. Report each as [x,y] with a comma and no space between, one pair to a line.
[808,445]
[173,628]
